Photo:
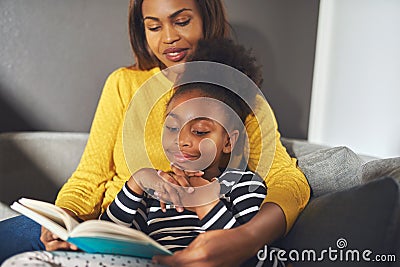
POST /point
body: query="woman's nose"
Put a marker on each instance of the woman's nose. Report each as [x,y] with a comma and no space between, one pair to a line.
[170,35]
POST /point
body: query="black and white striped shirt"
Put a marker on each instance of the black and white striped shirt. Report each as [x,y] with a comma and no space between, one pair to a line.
[243,193]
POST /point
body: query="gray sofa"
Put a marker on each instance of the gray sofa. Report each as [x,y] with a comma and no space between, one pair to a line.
[355,203]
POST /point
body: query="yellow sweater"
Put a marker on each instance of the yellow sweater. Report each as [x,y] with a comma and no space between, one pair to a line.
[103,168]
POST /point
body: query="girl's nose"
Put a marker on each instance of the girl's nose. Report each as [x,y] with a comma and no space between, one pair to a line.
[184,139]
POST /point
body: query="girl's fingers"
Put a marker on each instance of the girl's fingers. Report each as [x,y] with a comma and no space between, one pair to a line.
[169,197]
[188,173]
[167,177]
[176,179]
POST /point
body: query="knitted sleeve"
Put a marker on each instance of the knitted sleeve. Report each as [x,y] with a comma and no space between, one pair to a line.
[84,191]
[287,185]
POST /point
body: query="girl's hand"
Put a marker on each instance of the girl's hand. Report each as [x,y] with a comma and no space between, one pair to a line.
[186,173]
[172,190]
[168,187]
[177,177]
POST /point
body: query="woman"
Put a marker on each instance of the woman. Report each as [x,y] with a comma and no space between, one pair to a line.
[163,33]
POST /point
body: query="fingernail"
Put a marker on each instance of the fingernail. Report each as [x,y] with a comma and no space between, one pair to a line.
[159,172]
[190,190]
[180,209]
[163,210]
[157,194]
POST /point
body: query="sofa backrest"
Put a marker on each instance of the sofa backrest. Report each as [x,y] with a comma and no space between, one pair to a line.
[37,164]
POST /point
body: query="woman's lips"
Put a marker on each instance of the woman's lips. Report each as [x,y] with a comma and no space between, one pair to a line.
[175,54]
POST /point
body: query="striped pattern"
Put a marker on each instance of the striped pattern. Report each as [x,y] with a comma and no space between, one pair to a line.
[242,194]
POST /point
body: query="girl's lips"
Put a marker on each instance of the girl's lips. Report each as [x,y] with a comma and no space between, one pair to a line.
[175,54]
[183,157]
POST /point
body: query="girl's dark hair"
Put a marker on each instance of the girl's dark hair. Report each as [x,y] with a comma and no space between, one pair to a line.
[227,52]
[220,93]
[215,25]
[224,51]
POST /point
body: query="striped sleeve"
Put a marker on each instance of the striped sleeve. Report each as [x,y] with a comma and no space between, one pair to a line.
[128,208]
[245,198]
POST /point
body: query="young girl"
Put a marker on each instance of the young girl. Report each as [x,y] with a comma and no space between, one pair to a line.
[186,127]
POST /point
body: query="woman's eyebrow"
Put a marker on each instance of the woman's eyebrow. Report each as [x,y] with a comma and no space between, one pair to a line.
[173,15]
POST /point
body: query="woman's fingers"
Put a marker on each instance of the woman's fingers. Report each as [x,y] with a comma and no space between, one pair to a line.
[52,242]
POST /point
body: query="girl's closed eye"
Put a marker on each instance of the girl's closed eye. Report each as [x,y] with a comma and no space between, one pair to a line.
[200,132]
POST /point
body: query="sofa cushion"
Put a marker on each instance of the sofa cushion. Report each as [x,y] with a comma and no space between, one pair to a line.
[332,169]
[364,217]
[381,167]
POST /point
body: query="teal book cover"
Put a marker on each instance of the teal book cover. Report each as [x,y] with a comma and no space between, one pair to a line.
[106,245]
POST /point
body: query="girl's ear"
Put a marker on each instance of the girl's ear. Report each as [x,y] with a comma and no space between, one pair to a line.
[231,140]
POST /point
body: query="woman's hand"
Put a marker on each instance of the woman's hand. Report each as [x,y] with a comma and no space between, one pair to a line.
[53,242]
[214,248]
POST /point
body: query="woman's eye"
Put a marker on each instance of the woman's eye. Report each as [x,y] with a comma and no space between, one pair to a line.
[153,28]
[172,129]
[182,23]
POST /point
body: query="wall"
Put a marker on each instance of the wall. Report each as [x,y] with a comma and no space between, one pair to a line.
[54,59]
[356,90]
[282,34]
[55,56]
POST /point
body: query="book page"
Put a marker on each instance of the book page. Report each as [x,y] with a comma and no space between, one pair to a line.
[51,211]
[51,225]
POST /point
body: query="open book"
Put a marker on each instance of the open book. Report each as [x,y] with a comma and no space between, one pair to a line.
[93,236]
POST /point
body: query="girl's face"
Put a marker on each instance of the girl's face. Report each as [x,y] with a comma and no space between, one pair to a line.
[172,28]
[193,137]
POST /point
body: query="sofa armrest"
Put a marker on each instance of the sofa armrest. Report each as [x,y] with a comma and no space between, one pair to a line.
[366,217]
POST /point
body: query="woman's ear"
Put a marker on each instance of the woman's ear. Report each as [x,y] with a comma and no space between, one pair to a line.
[231,140]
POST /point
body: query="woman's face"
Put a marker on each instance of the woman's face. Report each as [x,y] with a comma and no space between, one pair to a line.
[173,28]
